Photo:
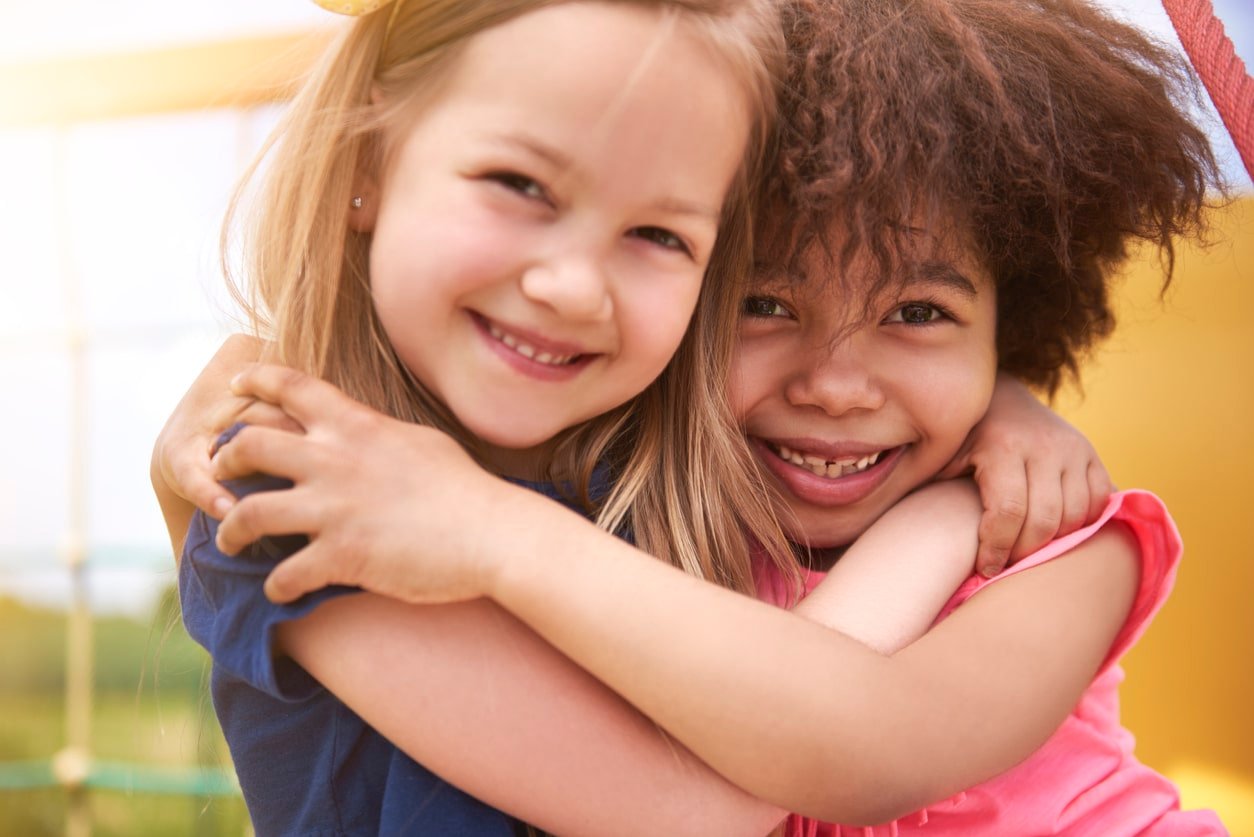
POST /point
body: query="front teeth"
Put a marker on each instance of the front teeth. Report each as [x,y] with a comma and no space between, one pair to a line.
[528,351]
[823,468]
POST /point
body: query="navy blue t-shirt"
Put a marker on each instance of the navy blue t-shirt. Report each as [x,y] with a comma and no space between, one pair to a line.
[307,764]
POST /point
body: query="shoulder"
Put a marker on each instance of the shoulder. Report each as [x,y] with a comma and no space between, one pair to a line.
[223,602]
[1123,564]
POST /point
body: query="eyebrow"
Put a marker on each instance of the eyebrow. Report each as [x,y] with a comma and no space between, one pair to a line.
[675,206]
[563,162]
[535,147]
[945,275]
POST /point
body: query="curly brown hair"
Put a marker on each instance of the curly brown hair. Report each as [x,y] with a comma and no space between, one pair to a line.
[1052,135]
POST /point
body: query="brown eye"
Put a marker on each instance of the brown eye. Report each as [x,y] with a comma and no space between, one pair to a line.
[763,306]
[917,313]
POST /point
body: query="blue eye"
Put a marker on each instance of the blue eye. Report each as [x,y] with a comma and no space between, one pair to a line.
[520,183]
[662,237]
[763,307]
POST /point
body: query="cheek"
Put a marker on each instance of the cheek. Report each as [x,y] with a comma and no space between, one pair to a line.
[416,265]
[658,314]
[961,394]
[748,380]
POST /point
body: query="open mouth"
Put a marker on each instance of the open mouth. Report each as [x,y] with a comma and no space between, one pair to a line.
[530,352]
[829,468]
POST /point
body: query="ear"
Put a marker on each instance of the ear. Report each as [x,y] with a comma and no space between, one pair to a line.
[363,210]
[361,218]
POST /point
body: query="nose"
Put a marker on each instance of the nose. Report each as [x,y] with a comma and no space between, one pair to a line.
[575,287]
[838,378]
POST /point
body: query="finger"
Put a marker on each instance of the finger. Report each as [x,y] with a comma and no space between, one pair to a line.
[309,569]
[1004,493]
[303,572]
[192,476]
[1075,501]
[226,412]
[303,397]
[262,414]
[1100,489]
[263,450]
[262,514]
[1044,511]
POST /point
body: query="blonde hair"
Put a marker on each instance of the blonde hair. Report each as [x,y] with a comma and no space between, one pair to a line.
[684,482]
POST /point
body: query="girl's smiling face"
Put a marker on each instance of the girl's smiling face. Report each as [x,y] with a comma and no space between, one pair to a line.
[544,226]
[849,414]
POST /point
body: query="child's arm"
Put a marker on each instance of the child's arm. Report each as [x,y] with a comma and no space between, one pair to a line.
[794,712]
[801,715]
[1038,476]
[179,468]
[889,585]
[475,695]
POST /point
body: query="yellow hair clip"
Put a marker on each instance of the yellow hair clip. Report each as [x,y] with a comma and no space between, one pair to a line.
[353,8]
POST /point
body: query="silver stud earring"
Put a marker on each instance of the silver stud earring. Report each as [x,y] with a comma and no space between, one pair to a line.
[356,202]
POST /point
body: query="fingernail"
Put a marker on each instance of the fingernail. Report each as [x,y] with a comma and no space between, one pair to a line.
[989,571]
[221,506]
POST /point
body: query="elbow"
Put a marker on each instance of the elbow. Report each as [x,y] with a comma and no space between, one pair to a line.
[732,813]
[865,791]
[866,808]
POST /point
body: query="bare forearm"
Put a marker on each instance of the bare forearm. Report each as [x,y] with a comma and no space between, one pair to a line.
[474,695]
[797,713]
[738,681]
[886,596]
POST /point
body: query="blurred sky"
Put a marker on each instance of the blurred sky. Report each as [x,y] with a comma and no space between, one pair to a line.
[109,231]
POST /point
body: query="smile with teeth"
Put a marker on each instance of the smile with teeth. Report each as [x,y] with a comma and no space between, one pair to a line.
[831,469]
[528,351]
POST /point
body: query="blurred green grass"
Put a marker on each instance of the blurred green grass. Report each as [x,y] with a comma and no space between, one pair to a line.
[151,712]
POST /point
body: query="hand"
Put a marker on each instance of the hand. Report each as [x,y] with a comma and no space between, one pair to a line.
[388,506]
[180,455]
[179,468]
[1039,478]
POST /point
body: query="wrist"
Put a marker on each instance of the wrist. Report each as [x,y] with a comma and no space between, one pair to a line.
[508,545]
[536,549]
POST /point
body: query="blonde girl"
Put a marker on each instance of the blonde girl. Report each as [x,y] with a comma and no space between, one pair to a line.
[497,219]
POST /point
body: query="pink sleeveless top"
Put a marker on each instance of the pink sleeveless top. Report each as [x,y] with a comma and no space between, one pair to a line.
[1084,780]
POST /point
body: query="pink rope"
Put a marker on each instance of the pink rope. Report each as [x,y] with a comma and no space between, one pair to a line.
[1220,68]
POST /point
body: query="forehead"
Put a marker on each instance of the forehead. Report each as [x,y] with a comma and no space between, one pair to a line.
[605,65]
[914,258]
[600,87]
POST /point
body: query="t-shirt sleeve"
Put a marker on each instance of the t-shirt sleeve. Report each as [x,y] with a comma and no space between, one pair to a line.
[1160,548]
[225,610]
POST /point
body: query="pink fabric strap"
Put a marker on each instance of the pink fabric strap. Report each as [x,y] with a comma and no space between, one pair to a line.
[1220,68]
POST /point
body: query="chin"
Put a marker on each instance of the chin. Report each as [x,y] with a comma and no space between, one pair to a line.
[825,537]
[832,528]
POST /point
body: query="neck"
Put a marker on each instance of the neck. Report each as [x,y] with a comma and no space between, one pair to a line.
[526,463]
[820,559]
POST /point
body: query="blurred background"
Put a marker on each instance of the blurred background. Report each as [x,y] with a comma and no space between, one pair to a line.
[122,130]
